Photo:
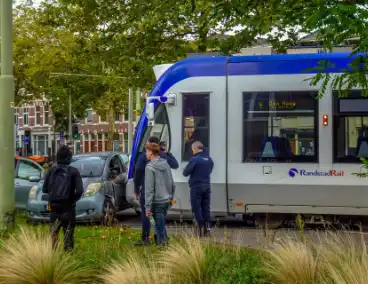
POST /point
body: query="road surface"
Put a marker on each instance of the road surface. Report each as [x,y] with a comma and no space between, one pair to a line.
[232,231]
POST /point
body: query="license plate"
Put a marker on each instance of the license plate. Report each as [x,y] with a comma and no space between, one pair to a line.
[48,207]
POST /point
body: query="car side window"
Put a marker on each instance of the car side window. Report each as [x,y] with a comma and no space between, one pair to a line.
[27,169]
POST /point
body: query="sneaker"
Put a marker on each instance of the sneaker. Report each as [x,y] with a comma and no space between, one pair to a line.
[142,243]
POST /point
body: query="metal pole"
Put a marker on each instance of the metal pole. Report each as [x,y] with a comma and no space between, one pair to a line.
[70,118]
[130,123]
[7,200]
[138,99]
[138,103]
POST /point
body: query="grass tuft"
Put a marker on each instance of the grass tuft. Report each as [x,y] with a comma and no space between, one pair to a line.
[27,257]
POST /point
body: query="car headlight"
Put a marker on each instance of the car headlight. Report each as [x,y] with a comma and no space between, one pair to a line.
[33,193]
[92,189]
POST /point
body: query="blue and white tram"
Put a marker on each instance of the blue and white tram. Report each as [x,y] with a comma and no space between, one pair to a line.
[278,150]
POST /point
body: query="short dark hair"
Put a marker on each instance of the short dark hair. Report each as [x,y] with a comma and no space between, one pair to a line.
[153,139]
[64,154]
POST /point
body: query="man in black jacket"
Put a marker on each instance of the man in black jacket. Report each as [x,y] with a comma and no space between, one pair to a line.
[63,213]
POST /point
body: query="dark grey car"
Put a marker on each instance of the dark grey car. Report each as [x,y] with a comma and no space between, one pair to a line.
[27,174]
[102,197]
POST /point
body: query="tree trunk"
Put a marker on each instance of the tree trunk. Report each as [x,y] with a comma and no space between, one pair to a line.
[111,121]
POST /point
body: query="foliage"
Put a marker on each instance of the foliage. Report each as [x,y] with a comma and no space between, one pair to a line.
[363,174]
[335,24]
[40,51]
[28,258]
[334,258]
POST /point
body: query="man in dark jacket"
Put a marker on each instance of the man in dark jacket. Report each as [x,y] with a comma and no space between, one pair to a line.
[139,176]
[199,170]
[63,211]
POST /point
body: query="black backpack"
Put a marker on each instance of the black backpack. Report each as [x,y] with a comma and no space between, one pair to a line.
[59,184]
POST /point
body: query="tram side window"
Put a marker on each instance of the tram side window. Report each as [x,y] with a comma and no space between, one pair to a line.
[196,122]
[160,129]
[280,127]
[350,127]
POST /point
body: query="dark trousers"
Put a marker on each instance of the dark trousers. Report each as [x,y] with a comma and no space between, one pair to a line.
[63,217]
[146,225]
[159,213]
[200,200]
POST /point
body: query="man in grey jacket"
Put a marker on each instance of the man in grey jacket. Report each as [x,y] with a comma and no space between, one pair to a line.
[159,190]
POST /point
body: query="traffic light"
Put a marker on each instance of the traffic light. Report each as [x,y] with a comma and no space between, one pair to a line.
[75,132]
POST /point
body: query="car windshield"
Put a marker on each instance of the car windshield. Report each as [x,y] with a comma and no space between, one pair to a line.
[89,166]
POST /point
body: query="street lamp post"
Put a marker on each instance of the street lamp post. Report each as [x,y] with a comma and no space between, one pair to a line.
[7,151]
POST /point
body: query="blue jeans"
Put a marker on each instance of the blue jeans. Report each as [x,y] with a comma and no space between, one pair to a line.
[200,200]
[159,213]
[146,225]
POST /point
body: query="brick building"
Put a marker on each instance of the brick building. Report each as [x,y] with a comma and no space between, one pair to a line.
[37,118]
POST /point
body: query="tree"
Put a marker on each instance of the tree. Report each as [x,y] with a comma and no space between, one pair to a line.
[335,22]
[140,34]
[40,50]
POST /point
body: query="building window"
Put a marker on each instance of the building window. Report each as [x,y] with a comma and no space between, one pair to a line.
[25,116]
[102,117]
[89,115]
[117,116]
[280,127]
[196,122]
[38,115]
[45,114]
[40,145]
[16,116]
[350,127]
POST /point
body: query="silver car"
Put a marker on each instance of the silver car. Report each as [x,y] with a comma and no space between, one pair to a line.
[103,195]
[27,175]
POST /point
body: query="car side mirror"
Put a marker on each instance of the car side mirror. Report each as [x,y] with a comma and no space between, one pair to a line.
[34,178]
[150,111]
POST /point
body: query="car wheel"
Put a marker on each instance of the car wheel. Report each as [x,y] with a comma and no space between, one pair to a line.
[108,218]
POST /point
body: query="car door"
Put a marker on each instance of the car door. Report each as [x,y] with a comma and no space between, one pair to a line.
[119,187]
[24,170]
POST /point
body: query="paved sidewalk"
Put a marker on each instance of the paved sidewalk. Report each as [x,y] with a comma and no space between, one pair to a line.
[258,239]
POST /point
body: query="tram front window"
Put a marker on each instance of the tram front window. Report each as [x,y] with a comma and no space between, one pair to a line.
[160,129]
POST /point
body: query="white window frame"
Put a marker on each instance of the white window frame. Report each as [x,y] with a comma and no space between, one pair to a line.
[36,139]
[25,114]
[16,116]
[46,114]
[119,116]
[37,112]
[89,121]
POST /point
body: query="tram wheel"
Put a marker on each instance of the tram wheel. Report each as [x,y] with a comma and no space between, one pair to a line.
[268,221]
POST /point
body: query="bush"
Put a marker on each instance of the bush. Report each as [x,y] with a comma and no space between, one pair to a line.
[134,270]
[28,258]
[188,261]
[337,258]
[293,262]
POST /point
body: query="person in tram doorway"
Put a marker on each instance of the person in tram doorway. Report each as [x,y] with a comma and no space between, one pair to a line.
[159,191]
[139,183]
[64,186]
[199,170]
